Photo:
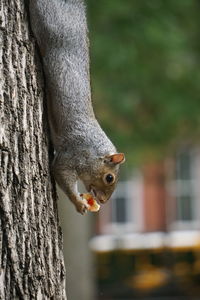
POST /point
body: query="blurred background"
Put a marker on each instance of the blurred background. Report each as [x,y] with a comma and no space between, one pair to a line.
[145,73]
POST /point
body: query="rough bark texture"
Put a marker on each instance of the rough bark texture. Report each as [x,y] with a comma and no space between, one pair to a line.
[30,237]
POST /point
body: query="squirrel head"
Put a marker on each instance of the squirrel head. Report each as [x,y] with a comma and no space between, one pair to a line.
[104,176]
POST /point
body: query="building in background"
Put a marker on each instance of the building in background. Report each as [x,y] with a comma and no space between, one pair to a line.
[160,198]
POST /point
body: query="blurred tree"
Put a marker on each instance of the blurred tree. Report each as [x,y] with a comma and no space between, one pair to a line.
[145,72]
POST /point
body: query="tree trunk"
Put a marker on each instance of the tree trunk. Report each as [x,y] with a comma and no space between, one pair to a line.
[30,237]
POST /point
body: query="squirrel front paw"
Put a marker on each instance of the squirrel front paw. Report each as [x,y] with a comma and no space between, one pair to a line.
[81,207]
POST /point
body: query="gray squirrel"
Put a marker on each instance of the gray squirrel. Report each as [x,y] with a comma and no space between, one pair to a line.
[82,149]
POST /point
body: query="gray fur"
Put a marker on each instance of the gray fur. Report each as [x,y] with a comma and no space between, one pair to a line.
[60,29]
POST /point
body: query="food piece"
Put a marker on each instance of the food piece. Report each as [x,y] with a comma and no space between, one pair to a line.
[91,202]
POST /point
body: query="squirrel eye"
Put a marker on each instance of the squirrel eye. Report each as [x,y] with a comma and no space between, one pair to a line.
[109,178]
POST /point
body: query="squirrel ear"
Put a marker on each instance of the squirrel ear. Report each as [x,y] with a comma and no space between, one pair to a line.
[117,158]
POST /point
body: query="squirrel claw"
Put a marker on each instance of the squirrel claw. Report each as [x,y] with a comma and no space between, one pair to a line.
[81,207]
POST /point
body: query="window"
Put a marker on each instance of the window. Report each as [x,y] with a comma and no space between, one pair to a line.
[185,190]
[126,208]
[120,204]
[184,186]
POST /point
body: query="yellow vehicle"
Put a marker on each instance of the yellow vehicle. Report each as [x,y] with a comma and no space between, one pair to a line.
[148,264]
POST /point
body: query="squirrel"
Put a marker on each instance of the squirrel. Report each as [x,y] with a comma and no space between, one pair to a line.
[82,149]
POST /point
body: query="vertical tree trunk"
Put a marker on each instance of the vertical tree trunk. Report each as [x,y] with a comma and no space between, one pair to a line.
[30,237]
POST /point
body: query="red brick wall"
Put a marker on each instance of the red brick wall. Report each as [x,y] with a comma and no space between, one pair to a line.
[154,197]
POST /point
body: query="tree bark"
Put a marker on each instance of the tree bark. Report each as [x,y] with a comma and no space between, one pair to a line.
[32,264]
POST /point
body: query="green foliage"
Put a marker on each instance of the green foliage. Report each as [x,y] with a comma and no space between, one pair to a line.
[145,72]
